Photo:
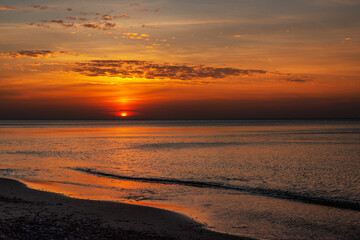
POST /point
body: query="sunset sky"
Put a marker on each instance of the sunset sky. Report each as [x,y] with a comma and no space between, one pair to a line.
[171,59]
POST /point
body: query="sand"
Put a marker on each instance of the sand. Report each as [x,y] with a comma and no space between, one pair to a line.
[31,214]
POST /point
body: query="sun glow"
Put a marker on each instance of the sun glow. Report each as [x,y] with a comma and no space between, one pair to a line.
[122,114]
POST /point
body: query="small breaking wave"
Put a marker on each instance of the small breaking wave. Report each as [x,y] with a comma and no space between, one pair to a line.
[273,193]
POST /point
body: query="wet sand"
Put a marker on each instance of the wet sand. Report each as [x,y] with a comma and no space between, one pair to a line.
[31,214]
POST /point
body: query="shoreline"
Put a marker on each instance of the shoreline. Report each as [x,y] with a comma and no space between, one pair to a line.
[26,213]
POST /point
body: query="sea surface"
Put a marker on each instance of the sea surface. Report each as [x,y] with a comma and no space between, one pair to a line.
[267,179]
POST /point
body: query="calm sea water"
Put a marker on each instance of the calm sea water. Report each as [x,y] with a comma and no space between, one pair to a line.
[265,179]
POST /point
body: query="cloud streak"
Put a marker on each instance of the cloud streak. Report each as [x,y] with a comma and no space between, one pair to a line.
[74,21]
[34,53]
[39,25]
[104,26]
[298,79]
[138,69]
[149,70]
[39,7]
[7,8]
[101,26]
[60,22]
[149,10]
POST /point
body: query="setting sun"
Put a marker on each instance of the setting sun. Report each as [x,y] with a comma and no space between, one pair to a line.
[122,114]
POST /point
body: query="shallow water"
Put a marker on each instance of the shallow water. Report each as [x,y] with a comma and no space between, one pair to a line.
[265,179]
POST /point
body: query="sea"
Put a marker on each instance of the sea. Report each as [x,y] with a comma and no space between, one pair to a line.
[265,179]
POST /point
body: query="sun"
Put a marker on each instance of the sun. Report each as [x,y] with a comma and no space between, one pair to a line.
[122,114]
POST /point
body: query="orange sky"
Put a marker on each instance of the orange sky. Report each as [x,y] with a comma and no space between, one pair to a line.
[172,60]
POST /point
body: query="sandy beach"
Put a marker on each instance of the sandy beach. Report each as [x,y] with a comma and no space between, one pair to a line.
[31,214]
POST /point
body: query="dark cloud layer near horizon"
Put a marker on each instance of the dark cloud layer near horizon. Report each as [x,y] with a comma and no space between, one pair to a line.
[187,109]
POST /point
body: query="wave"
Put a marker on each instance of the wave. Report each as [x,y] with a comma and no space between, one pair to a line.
[187,145]
[37,153]
[181,145]
[274,193]
[6,170]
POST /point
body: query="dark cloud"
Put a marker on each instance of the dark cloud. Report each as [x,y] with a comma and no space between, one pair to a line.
[134,4]
[96,21]
[39,25]
[149,10]
[91,25]
[60,22]
[38,7]
[108,25]
[298,79]
[72,18]
[57,21]
[34,53]
[106,17]
[69,9]
[147,26]
[148,70]
[121,16]
[104,26]
[91,13]
[52,108]
[291,107]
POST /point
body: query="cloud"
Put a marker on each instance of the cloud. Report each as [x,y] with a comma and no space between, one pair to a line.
[106,17]
[7,8]
[137,69]
[57,21]
[121,16]
[34,53]
[69,9]
[39,25]
[147,26]
[76,18]
[240,36]
[96,20]
[298,79]
[72,18]
[38,7]
[148,70]
[104,26]
[92,13]
[91,25]
[60,22]
[149,10]
[134,4]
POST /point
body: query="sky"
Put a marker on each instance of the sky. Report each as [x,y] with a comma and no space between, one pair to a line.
[171,59]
